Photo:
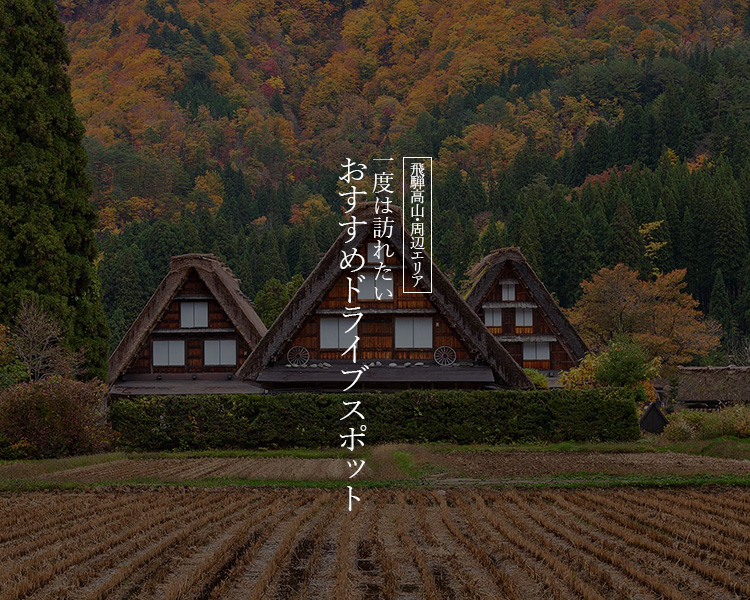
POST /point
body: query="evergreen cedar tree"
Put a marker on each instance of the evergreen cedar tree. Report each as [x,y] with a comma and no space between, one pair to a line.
[720,308]
[47,244]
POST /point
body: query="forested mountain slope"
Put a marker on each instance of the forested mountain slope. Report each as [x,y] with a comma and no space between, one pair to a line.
[562,126]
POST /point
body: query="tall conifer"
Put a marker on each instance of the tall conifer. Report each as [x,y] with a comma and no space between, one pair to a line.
[490,238]
[624,240]
[720,308]
[665,256]
[599,227]
[730,232]
[528,241]
[47,244]
[309,254]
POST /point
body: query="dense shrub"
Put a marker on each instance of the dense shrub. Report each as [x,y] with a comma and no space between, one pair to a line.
[582,376]
[12,371]
[312,420]
[704,425]
[624,364]
[53,417]
[538,379]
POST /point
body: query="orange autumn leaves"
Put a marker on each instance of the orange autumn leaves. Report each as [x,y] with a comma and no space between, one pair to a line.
[309,82]
[657,314]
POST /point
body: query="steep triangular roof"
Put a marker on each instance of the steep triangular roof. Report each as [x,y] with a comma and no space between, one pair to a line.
[221,283]
[466,323]
[653,420]
[484,275]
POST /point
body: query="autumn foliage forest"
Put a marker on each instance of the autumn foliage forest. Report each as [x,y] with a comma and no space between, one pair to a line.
[588,132]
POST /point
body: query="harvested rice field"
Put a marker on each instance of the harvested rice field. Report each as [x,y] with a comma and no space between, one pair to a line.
[474,543]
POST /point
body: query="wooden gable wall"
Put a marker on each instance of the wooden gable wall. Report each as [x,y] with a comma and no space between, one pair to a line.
[168,327]
[559,357]
[377,330]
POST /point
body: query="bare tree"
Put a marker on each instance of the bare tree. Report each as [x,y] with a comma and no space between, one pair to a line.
[37,342]
[739,351]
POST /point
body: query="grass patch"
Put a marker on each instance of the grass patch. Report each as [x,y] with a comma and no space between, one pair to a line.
[724,447]
[404,462]
[643,445]
[31,467]
[29,485]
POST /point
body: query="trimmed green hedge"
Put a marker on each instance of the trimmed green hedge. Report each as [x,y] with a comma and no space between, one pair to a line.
[312,420]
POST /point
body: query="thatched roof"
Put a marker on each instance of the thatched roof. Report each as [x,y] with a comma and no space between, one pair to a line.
[218,279]
[712,387]
[467,325]
[484,275]
[653,420]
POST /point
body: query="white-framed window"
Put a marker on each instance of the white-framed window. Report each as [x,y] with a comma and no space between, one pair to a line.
[219,352]
[413,332]
[536,350]
[509,291]
[334,334]
[169,353]
[524,317]
[373,256]
[493,317]
[372,288]
[193,314]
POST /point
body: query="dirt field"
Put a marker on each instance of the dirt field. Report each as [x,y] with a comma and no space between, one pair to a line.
[432,465]
[492,465]
[190,469]
[434,544]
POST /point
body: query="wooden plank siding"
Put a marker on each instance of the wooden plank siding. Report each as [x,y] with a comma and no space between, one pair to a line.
[509,322]
[402,298]
[193,359]
[193,286]
[560,357]
[496,292]
[509,326]
[515,350]
[541,365]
